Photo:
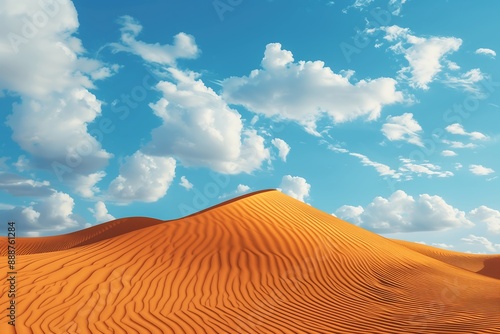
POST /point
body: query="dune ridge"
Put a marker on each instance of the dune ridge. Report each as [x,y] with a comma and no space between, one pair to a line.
[263,263]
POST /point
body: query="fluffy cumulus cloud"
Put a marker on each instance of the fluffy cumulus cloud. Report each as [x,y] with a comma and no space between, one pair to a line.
[480,170]
[458,129]
[404,128]
[86,185]
[185,183]
[303,91]
[425,56]
[401,212]
[282,146]
[53,86]
[184,45]
[488,216]
[486,52]
[295,186]
[242,188]
[51,214]
[200,129]
[142,178]
[100,213]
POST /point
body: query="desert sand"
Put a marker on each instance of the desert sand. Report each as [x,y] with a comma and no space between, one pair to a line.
[262,263]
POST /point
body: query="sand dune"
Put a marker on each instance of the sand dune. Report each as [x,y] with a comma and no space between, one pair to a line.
[263,263]
[488,265]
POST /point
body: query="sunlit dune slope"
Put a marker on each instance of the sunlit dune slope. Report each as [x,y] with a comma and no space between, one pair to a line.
[265,263]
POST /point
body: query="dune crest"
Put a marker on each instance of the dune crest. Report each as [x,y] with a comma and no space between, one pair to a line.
[264,263]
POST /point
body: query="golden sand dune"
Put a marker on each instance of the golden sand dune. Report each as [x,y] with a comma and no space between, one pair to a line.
[263,263]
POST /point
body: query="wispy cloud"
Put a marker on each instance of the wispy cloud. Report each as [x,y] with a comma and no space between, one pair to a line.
[383,170]
[487,52]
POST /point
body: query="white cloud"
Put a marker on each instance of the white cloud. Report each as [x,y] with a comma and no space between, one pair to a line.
[407,169]
[452,65]
[402,213]
[85,185]
[487,52]
[403,127]
[100,213]
[458,129]
[475,240]
[242,188]
[448,153]
[443,245]
[458,144]
[51,214]
[426,168]
[361,3]
[350,213]
[467,81]
[458,166]
[200,129]
[184,45]
[425,56]
[303,91]
[282,146]
[487,215]
[185,183]
[295,186]
[383,170]
[480,170]
[142,178]
[17,185]
[396,6]
[53,87]
[337,149]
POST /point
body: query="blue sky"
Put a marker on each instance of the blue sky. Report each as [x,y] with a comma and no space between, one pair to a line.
[382,112]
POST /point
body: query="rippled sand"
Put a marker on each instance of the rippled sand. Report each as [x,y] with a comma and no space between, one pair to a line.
[263,263]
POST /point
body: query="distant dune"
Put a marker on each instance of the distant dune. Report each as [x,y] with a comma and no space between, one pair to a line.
[263,263]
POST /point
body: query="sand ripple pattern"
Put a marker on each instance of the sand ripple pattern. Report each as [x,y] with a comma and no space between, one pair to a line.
[263,263]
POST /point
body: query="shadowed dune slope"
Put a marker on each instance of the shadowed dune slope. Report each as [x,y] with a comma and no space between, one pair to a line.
[80,238]
[265,263]
[488,265]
